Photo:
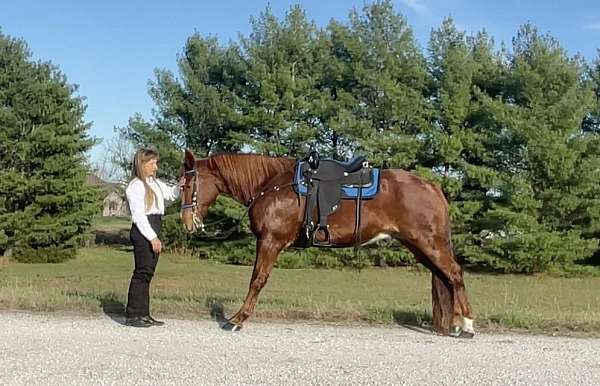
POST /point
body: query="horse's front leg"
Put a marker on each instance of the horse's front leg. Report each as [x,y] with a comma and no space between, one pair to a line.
[267,250]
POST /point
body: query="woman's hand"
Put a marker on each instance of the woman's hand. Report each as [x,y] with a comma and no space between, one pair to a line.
[156,245]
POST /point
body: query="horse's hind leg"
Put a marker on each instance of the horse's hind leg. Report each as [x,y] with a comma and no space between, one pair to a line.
[461,296]
[451,310]
[464,326]
[267,251]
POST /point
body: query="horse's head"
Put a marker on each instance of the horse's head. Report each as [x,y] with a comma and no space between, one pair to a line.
[199,192]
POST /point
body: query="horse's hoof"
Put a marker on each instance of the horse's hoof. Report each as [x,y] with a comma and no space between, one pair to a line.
[455,331]
[459,332]
[466,334]
[228,326]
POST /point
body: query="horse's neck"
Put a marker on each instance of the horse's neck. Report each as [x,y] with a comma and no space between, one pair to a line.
[260,170]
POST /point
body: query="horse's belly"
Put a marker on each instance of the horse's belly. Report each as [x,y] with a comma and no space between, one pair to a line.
[378,237]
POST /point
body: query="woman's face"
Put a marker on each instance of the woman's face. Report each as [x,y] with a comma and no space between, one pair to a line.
[151,167]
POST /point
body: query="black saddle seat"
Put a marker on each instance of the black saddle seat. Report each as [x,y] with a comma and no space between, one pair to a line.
[354,164]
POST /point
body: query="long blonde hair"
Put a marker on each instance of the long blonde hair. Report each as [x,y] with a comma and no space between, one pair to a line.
[141,157]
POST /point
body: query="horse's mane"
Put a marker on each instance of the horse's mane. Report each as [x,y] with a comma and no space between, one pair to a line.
[244,174]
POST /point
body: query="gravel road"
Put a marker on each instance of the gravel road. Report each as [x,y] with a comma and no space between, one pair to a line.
[38,349]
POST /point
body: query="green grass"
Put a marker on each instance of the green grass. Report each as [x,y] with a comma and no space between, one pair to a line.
[189,288]
[111,230]
[108,224]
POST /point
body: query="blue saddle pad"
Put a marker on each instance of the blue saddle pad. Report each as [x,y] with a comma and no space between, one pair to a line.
[348,191]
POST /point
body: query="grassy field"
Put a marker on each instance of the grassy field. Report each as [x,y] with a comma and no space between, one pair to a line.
[186,287]
[111,224]
[111,230]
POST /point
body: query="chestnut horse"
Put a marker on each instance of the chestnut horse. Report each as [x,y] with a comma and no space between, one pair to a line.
[406,208]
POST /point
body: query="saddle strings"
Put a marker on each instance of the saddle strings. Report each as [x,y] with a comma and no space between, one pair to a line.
[357,228]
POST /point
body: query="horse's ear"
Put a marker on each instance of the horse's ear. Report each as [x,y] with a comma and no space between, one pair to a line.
[189,160]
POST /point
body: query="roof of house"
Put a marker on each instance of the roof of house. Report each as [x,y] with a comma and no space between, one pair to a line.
[93,179]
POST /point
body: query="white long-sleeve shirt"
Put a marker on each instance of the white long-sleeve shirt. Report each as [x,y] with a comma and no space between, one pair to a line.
[136,192]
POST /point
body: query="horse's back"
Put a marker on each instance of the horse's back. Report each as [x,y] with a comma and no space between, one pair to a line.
[411,186]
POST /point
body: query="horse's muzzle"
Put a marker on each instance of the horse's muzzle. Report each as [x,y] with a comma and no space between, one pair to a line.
[189,229]
[196,225]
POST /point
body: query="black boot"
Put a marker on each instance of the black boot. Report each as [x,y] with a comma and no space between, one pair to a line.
[153,321]
[138,321]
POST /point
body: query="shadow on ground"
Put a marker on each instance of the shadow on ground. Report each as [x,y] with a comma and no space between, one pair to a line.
[112,238]
[113,308]
[215,307]
[414,320]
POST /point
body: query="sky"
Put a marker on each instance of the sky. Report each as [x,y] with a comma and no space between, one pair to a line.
[111,48]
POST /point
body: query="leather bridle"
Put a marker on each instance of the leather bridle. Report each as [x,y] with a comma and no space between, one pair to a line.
[193,205]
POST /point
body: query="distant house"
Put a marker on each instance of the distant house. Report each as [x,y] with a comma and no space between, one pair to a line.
[114,203]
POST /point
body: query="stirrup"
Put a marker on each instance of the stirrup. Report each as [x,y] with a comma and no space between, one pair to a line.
[327,241]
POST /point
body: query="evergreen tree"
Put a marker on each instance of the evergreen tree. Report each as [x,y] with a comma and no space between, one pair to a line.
[591,130]
[204,107]
[389,83]
[279,116]
[197,111]
[45,206]
[546,201]
[335,104]
[591,123]
[459,142]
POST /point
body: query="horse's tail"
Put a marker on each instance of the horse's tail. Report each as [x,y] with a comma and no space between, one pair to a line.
[441,299]
[441,295]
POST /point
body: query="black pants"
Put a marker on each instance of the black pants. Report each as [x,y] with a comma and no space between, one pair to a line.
[138,300]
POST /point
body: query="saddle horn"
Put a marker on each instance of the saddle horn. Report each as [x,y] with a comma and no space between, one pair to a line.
[313,159]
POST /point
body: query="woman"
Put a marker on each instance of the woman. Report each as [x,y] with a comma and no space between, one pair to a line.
[146,196]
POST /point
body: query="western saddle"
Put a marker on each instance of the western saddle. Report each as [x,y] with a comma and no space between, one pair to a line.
[322,181]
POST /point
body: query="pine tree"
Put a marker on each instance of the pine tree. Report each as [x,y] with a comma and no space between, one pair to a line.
[45,206]
[591,130]
[334,105]
[459,142]
[279,117]
[546,200]
[591,123]
[201,110]
[389,83]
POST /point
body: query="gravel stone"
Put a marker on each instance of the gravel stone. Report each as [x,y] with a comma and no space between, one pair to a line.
[38,349]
